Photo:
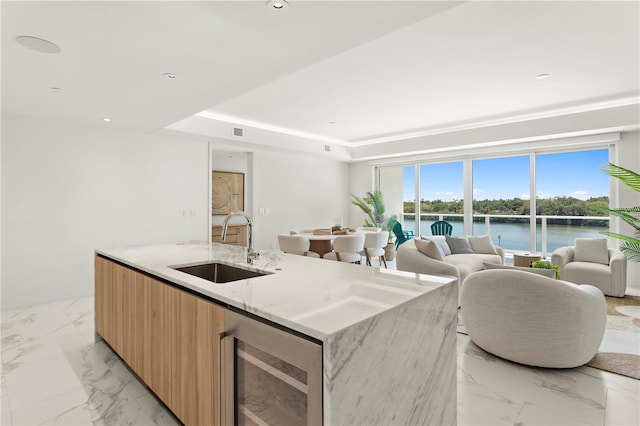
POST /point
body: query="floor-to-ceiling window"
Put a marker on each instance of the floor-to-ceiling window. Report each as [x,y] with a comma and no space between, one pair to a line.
[570,193]
[530,202]
[501,201]
[441,193]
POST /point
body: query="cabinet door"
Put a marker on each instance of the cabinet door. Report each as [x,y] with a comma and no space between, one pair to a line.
[195,364]
[104,303]
[168,336]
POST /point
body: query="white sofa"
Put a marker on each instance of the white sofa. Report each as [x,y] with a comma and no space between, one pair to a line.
[532,319]
[460,265]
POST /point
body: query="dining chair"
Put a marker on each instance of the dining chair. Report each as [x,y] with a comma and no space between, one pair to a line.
[374,244]
[362,229]
[346,248]
[296,244]
[401,235]
[441,227]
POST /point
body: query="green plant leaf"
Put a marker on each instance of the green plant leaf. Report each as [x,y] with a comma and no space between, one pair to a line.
[630,179]
[627,215]
[631,250]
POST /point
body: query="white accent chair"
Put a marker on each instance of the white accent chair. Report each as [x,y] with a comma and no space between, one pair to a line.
[589,261]
[374,244]
[346,248]
[533,320]
[362,229]
[296,244]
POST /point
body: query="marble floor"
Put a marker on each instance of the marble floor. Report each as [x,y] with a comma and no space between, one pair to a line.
[55,372]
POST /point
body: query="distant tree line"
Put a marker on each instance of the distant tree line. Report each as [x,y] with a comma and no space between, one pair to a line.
[557,206]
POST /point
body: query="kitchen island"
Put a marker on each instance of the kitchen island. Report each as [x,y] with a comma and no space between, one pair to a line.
[385,339]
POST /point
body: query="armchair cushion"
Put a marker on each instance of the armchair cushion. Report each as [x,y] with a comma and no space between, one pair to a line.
[459,245]
[591,250]
[430,249]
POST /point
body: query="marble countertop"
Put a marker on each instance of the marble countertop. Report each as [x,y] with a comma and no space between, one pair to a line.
[316,297]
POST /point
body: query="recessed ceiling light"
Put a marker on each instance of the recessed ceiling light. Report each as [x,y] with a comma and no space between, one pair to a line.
[56,89]
[277,4]
[542,76]
[38,44]
[106,119]
[170,75]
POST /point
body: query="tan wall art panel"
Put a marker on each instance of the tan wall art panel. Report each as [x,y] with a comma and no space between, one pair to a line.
[228,192]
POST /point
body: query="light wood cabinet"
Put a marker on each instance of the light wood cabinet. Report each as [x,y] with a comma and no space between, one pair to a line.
[168,336]
[173,340]
[236,235]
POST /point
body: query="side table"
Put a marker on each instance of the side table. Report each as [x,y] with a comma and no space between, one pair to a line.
[525,259]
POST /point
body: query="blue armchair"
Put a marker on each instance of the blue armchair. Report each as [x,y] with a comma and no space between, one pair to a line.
[401,236]
[441,227]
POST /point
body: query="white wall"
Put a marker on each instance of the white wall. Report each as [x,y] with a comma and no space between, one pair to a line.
[628,156]
[361,182]
[67,190]
[299,192]
[392,186]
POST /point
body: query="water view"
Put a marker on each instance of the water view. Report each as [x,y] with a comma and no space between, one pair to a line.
[515,236]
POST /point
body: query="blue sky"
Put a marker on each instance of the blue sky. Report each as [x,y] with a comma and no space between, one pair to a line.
[575,174]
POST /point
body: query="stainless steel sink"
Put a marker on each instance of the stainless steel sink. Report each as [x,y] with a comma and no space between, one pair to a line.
[220,272]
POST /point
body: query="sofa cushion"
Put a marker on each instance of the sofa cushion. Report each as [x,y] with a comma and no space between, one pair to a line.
[459,245]
[468,263]
[440,240]
[429,249]
[591,250]
[482,244]
[551,273]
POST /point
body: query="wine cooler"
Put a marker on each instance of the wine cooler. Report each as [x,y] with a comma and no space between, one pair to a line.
[273,377]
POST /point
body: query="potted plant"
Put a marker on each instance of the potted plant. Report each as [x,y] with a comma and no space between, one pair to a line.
[373,205]
[630,245]
[546,264]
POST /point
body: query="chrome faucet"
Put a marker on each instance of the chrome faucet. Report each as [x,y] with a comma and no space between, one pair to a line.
[251,255]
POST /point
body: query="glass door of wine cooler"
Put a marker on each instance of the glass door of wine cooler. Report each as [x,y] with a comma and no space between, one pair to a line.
[272,377]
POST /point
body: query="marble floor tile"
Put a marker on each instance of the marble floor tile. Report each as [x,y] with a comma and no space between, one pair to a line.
[65,408]
[32,378]
[532,414]
[622,409]
[5,409]
[55,372]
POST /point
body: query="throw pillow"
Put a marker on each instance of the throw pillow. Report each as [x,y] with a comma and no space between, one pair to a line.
[549,273]
[591,250]
[440,241]
[459,245]
[482,244]
[429,249]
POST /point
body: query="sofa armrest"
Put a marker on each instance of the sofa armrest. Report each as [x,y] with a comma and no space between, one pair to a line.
[409,259]
[500,252]
[563,255]
[618,266]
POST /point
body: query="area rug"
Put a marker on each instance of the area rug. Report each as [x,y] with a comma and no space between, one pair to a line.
[620,349]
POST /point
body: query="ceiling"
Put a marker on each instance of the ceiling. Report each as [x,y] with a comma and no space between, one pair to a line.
[344,72]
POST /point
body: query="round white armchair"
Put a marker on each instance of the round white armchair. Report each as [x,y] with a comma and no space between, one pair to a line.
[532,319]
